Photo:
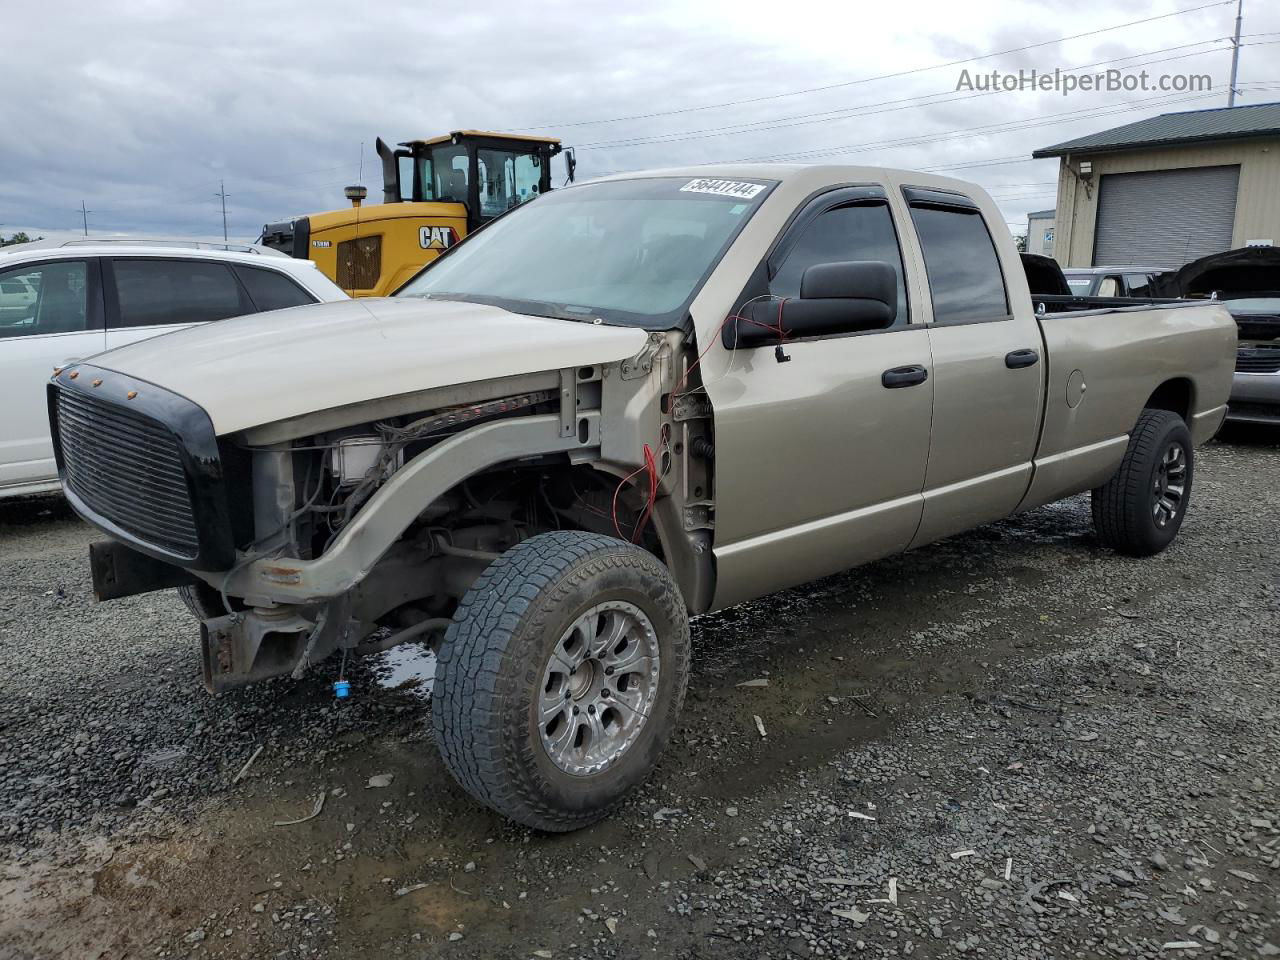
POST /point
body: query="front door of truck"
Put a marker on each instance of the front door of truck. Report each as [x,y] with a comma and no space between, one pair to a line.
[820,459]
[988,370]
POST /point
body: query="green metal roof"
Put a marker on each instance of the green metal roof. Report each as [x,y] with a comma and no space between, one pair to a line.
[1191,126]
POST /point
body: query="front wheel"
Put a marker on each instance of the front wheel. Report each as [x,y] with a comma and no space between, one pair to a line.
[1140,509]
[560,679]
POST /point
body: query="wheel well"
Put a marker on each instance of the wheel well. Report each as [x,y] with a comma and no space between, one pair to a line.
[558,496]
[1173,395]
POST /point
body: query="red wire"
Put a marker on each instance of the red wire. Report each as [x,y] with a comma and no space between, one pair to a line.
[650,463]
[622,483]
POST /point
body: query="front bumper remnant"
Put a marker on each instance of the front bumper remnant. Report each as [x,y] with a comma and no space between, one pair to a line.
[245,647]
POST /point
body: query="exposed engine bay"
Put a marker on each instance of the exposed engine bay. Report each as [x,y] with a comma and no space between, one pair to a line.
[310,491]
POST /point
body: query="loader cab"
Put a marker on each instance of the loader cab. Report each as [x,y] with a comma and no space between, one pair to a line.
[434,193]
[490,173]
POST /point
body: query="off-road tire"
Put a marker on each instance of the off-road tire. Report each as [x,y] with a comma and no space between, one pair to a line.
[491,666]
[1122,507]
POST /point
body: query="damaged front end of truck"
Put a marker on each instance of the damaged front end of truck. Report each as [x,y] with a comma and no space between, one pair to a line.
[359,529]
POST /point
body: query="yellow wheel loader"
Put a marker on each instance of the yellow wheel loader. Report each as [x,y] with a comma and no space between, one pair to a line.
[434,193]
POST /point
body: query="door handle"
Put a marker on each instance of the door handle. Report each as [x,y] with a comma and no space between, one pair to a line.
[1021,358]
[904,376]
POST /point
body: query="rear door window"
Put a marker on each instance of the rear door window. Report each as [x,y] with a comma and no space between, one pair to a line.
[854,231]
[965,279]
[270,290]
[158,292]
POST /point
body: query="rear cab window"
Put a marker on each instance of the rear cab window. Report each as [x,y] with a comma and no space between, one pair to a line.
[963,269]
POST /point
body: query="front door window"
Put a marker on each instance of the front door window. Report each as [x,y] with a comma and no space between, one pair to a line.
[49,298]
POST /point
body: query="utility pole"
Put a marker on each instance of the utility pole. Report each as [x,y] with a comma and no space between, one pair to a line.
[84,217]
[222,195]
[1235,55]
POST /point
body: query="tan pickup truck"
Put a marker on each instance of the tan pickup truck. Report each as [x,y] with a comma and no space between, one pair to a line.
[622,404]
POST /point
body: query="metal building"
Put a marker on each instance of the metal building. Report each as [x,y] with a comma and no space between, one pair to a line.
[1040,232]
[1169,189]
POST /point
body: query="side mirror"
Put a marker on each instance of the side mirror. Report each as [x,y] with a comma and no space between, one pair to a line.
[848,297]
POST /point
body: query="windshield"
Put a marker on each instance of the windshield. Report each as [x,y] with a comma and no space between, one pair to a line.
[625,251]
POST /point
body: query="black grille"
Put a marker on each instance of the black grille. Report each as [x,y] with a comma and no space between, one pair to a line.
[1261,360]
[127,469]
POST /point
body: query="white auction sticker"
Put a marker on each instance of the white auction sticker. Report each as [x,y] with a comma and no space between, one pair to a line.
[723,188]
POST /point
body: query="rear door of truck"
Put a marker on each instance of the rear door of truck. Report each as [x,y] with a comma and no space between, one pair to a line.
[988,364]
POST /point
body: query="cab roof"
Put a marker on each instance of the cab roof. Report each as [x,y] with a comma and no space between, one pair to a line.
[446,137]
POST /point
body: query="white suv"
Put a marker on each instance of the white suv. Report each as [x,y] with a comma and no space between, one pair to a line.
[64,302]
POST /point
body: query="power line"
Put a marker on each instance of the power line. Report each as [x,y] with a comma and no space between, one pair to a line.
[883,76]
[909,103]
[1008,126]
[973,164]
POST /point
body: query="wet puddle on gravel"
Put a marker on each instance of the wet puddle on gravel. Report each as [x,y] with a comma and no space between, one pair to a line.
[410,667]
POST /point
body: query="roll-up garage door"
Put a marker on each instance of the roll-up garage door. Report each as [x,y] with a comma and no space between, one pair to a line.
[1165,218]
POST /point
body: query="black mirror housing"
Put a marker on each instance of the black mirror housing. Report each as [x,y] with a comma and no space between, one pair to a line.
[851,280]
[847,297]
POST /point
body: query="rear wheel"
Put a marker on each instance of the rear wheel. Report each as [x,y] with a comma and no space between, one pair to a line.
[1140,509]
[560,679]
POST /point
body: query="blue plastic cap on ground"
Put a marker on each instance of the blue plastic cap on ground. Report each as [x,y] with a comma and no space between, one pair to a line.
[342,689]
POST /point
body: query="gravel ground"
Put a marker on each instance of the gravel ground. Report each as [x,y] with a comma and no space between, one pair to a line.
[1011,744]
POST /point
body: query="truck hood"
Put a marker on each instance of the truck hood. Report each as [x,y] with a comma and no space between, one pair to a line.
[259,369]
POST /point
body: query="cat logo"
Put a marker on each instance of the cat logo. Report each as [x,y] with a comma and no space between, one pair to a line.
[435,238]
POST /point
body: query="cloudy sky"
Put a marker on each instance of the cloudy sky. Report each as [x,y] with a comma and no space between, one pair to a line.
[141,109]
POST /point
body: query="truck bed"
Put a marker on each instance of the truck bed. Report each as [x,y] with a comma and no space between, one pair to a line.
[1069,303]
[1102,363]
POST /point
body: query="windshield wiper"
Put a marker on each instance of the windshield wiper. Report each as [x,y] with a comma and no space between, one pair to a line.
[536,308]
